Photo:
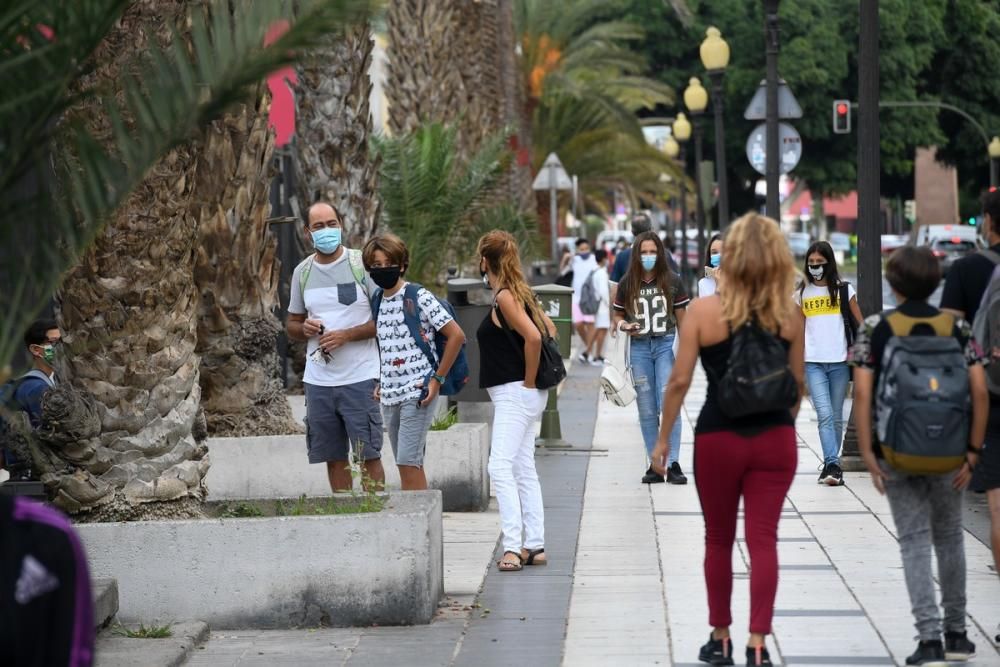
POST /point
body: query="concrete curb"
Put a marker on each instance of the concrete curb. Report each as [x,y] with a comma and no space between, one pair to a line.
[381,568]
[105,601]
[115,651]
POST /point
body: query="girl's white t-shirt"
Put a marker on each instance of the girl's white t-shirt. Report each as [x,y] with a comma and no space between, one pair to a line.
[706,287]
[826,341]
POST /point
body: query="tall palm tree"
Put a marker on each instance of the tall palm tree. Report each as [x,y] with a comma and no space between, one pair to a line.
[334,162]
[127,175]
[236,273]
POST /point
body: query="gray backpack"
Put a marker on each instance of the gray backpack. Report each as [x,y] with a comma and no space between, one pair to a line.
[590,302]
[986,326]
[922,406]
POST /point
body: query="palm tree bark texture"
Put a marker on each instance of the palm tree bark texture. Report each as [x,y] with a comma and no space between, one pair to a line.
[129,313]
[237,276]
[333,125]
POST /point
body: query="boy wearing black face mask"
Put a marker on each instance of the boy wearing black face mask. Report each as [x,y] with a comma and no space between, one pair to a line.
[409,382]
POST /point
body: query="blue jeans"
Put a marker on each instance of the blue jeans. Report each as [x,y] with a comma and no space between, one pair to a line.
[828,388]
[652,360]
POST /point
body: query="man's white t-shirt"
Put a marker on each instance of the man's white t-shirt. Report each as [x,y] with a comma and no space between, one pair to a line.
[333,295]
[582,269]
[826,341]
[602,285]
[404,365]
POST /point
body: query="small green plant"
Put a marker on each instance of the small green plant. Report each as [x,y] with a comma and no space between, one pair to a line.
[240,511]
[445,421]
[142,632]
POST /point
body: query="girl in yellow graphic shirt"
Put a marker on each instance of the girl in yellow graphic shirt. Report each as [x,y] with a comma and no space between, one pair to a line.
[830,310]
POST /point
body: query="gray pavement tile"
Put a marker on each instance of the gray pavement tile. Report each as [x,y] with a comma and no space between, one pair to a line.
[795,566]
[819,612]
[837,660]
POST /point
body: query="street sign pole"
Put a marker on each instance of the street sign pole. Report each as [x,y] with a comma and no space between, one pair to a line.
[773,156]
[553,177]
[553,215]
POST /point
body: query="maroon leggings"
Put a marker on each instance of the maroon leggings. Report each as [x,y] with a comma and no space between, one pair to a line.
[760,468]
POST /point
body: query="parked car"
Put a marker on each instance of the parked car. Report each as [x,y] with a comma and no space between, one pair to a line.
[951,249]
[892,241]
[798,243]
[927,234]
[841,242]
[608,240]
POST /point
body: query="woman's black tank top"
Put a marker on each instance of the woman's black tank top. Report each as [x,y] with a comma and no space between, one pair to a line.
[714,359]
[499,361]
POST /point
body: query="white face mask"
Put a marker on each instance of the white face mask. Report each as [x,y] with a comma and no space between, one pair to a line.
[817,271]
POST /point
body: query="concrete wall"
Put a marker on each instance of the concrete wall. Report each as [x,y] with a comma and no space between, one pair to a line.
[344,570]
[277,467]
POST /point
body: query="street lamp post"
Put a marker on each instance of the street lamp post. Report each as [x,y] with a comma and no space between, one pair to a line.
[696,100]
[994,156]
[772,171]
[715,57]
[682,132]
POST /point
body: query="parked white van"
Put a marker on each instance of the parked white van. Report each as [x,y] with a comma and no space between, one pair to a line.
[927,234]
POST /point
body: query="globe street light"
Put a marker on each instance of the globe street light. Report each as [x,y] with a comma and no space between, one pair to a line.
[994,156]
[681,133]
[715,57]
[696,100]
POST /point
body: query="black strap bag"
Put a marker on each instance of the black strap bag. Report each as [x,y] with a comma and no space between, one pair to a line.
[758,378]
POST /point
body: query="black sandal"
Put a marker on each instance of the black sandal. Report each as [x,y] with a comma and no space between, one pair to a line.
[510,566]
[534,553]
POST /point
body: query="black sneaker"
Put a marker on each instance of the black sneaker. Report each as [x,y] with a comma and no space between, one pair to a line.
[930,653]
[822,473]
[652,477]
[583,358]
[758,656]
[675,475]
[958,647]
[717,651]
[832,475]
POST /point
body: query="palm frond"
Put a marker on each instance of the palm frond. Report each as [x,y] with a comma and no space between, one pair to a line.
[168,93]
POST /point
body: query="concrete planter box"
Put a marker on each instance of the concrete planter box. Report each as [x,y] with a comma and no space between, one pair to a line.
[282,572]
[277,467]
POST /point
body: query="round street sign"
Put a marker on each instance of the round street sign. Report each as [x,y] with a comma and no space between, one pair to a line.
[789,142]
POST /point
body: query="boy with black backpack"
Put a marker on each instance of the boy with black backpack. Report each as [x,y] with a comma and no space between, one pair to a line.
[420,345]
[922,372]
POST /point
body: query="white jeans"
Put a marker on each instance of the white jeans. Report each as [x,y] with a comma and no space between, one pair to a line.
[512,465]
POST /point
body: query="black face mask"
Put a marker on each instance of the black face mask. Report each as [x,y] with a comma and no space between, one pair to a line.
[386,277]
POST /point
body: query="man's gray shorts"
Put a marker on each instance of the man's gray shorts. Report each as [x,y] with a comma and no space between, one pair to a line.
[338,416]
[408,424]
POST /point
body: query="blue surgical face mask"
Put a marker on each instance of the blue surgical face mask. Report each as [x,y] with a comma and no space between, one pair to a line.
[327,240]
[584,256]
[648,262]
[715,259]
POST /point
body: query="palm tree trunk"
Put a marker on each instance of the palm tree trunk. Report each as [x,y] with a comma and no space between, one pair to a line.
[237,275]
[128,312]
[333,127]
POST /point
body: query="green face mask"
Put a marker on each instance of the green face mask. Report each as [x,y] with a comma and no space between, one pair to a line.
[48,353]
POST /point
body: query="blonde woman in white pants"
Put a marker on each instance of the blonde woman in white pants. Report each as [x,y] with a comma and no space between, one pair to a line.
[510,340]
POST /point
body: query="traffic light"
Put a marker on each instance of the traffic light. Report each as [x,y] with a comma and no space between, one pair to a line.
[841,116]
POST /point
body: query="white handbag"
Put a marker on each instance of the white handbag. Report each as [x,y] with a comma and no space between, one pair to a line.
[615,383]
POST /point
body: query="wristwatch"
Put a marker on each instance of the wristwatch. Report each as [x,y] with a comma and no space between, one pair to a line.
[440,378]
[974,449]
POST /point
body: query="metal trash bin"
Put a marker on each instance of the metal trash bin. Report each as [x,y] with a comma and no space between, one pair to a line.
[469,316]
[557,302]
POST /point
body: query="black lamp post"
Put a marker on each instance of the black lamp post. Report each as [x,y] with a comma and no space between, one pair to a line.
[696,100]
[772,170]
[681,133]
[715,57]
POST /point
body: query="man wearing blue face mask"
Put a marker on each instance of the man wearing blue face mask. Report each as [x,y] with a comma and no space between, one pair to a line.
[330,309]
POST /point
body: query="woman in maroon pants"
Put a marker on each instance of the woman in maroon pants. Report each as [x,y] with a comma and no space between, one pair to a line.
[752,456]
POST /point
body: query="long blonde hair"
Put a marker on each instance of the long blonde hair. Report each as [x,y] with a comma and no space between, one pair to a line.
[499,250]
[759,274]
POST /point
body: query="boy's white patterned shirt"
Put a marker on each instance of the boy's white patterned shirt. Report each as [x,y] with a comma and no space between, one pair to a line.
[404,365]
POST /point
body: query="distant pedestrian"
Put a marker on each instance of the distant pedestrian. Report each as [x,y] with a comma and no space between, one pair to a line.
[583,265]
[410,379]
[831,315]
[969,276]
[649,306]
[923,452]
[602,320]
[745,434]
[510,342]
[708,285]
[330,308]
[24,394]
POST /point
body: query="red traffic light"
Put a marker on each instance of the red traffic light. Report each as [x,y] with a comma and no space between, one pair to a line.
[842,109]
[841,116]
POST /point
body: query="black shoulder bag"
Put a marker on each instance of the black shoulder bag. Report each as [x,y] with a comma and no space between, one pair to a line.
[551,370]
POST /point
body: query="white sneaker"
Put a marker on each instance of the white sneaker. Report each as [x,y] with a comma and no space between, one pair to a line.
[4,476]
[583,358]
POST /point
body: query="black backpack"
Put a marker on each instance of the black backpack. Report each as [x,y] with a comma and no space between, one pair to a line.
[758,378]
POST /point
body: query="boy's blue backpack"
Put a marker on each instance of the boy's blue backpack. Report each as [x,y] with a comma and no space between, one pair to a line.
[459,373]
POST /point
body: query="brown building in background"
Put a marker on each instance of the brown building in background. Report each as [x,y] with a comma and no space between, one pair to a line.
[935,189]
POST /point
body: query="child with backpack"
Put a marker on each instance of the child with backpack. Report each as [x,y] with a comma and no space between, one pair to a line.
[411,324]
[921,371]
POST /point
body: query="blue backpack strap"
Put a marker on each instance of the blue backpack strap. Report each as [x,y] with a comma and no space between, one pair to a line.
[376,303]
[411,315]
